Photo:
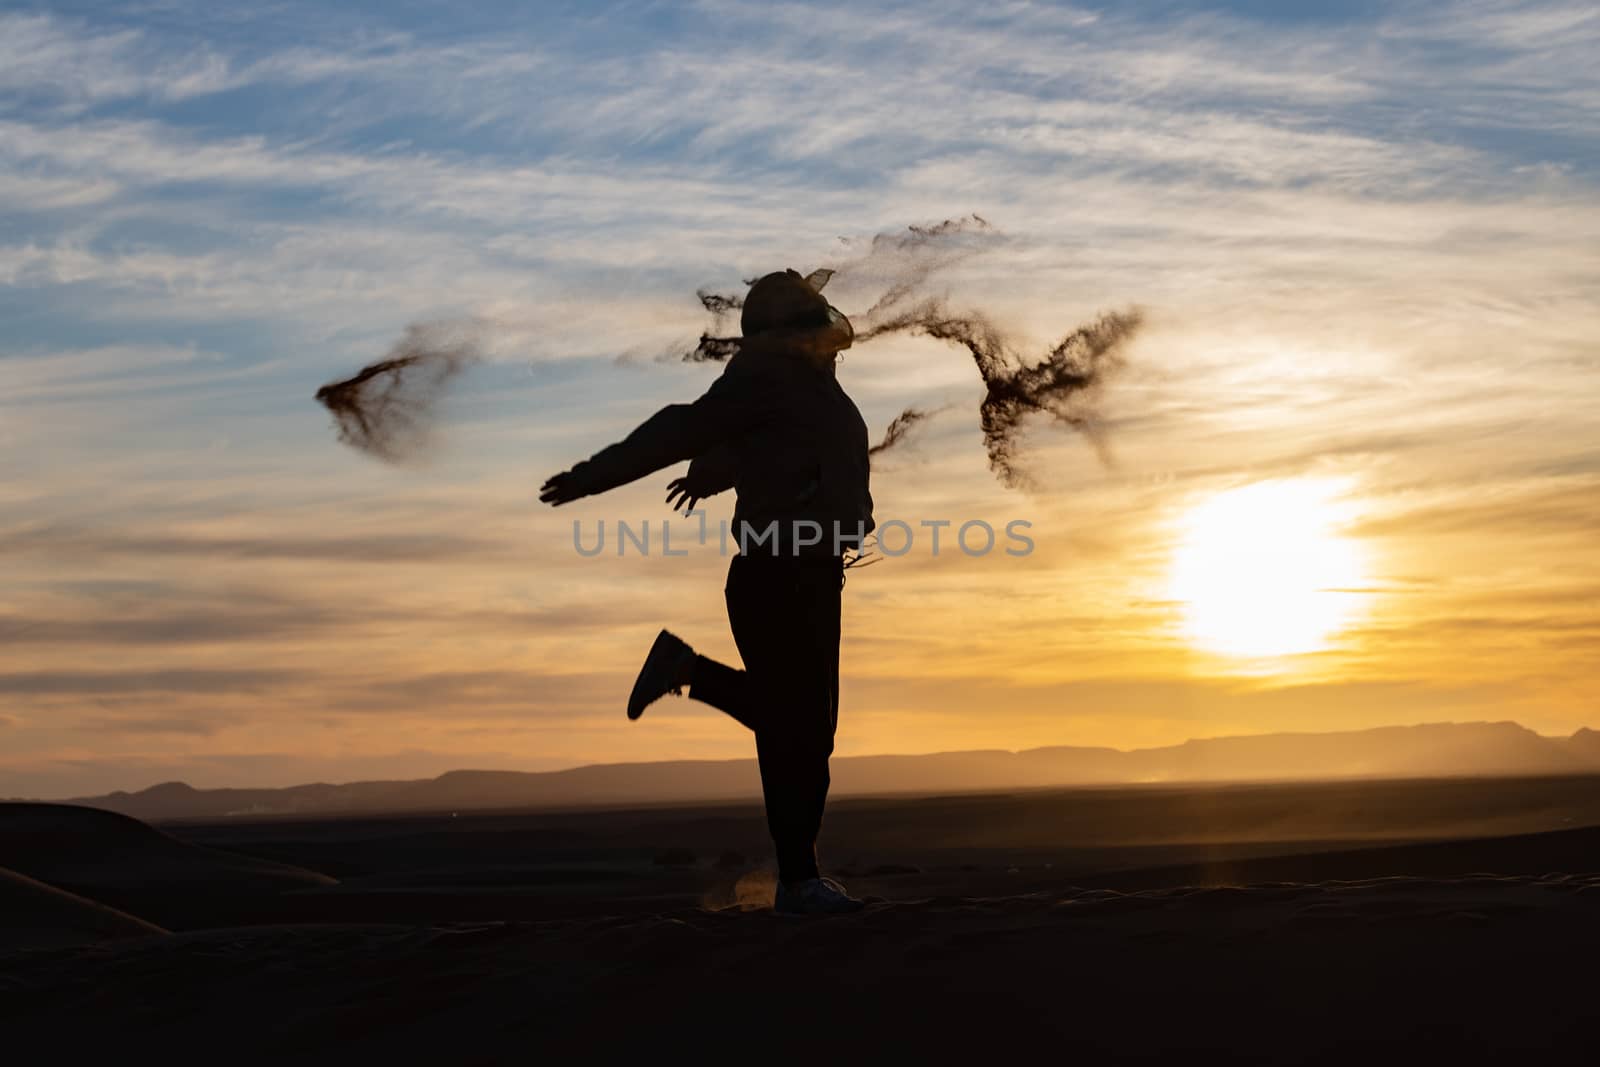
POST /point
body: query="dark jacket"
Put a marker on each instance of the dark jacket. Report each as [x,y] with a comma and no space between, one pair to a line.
[778,428]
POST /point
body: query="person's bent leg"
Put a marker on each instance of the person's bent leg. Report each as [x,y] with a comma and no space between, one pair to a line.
[726,689]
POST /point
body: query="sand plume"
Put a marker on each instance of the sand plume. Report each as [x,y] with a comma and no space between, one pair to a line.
[387,409]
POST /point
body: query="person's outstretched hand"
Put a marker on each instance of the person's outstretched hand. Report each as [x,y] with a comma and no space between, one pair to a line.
[563,488]
[687,496]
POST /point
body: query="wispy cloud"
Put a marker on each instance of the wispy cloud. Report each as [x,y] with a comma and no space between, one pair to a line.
[174,681]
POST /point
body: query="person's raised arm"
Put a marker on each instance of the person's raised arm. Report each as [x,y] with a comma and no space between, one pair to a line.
[737,401]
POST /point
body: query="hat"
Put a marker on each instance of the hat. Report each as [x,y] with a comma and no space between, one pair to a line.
[782,300]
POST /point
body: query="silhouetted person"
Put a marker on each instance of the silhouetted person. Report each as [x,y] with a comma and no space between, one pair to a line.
[778,429]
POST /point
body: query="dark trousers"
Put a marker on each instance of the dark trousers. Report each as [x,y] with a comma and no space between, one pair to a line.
[785,618]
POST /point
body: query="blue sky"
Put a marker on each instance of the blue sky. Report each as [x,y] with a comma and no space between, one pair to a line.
[1365,235]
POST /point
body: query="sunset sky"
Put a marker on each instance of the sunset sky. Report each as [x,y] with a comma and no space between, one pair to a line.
[1353,470]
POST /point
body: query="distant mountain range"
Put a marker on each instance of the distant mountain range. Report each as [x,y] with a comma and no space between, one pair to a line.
[1427,751]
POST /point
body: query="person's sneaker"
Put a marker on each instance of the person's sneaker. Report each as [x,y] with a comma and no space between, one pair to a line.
[668,661]
[815,896]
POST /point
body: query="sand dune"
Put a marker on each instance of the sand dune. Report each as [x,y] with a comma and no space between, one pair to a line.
[35,915]
[1523,855]
[1134,937]
[1442,970]
[122,862]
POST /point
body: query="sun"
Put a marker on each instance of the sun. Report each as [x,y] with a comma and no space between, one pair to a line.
[1264,570]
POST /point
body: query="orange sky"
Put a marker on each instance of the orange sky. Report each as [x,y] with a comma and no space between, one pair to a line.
[1393,330]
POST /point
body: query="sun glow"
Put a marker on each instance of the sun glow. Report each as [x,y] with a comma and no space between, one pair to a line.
[1264,571]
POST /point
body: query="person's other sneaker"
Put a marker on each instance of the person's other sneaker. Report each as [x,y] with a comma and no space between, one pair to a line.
[664,671]
[815,896]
